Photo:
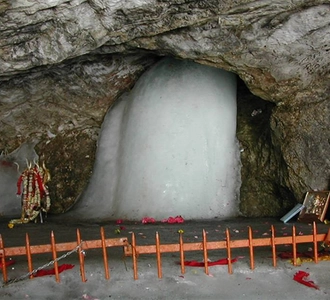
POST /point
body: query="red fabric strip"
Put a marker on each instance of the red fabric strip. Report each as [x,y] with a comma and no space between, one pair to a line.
[301,277]
[19,183]
[61,268]
[8,263]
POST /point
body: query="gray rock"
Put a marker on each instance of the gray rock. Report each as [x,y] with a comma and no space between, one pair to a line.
[63,64]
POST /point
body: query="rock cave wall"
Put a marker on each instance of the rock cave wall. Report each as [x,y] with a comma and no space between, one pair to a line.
[64,63]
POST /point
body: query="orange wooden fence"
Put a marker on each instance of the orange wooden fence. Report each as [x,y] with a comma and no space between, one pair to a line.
[134,250]
[79,246]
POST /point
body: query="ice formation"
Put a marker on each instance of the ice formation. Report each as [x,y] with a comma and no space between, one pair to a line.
[168,148]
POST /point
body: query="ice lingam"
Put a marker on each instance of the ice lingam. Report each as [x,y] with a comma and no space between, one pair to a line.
[168,148]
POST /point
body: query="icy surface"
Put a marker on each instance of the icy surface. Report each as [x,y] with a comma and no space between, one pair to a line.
[168,148]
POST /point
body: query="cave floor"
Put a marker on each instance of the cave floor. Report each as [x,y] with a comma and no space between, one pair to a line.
[263,282]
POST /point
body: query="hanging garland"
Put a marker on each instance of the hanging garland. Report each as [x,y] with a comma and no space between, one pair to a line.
[32,187]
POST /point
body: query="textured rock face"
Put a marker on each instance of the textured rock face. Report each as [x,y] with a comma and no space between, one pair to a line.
[63,63]
[62,109]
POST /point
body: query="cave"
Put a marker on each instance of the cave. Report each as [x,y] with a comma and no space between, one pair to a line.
[91,133]
[58,81]
[256,160]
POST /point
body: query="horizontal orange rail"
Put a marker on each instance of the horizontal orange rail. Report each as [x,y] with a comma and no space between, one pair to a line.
[85,245]
[168,248]
[134,250]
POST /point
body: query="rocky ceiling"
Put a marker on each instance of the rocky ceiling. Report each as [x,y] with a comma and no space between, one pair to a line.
[63,64]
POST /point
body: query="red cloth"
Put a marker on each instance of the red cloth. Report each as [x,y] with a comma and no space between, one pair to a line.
[61,268]
[19,183]
[40,182]
[301,277]
[8,263]
[194,263]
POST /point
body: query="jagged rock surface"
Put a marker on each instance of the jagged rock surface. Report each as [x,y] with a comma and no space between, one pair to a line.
[63,63]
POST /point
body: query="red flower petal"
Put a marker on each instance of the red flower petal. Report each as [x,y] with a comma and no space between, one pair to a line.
[172,220]
[147,220]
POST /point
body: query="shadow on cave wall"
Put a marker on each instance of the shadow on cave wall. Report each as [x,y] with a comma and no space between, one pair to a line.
[263,192]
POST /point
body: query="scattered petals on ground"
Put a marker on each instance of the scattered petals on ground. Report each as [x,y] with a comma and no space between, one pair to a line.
[148,220]
[172,220]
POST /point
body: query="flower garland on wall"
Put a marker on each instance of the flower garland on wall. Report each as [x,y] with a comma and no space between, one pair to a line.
[32,187]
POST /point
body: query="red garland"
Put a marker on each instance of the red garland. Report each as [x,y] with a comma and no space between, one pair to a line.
[301,276]
[40,184]
[36,175]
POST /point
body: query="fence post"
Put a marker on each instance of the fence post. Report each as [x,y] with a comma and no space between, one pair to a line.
[181,253]
[251,248]
[3,260]
[230,267]
[273,246]
[81,257]
[206,261]
[159,262]
[316,255]
[134,256]
[105,256]
[294,245]
[53,244]
[28,254]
